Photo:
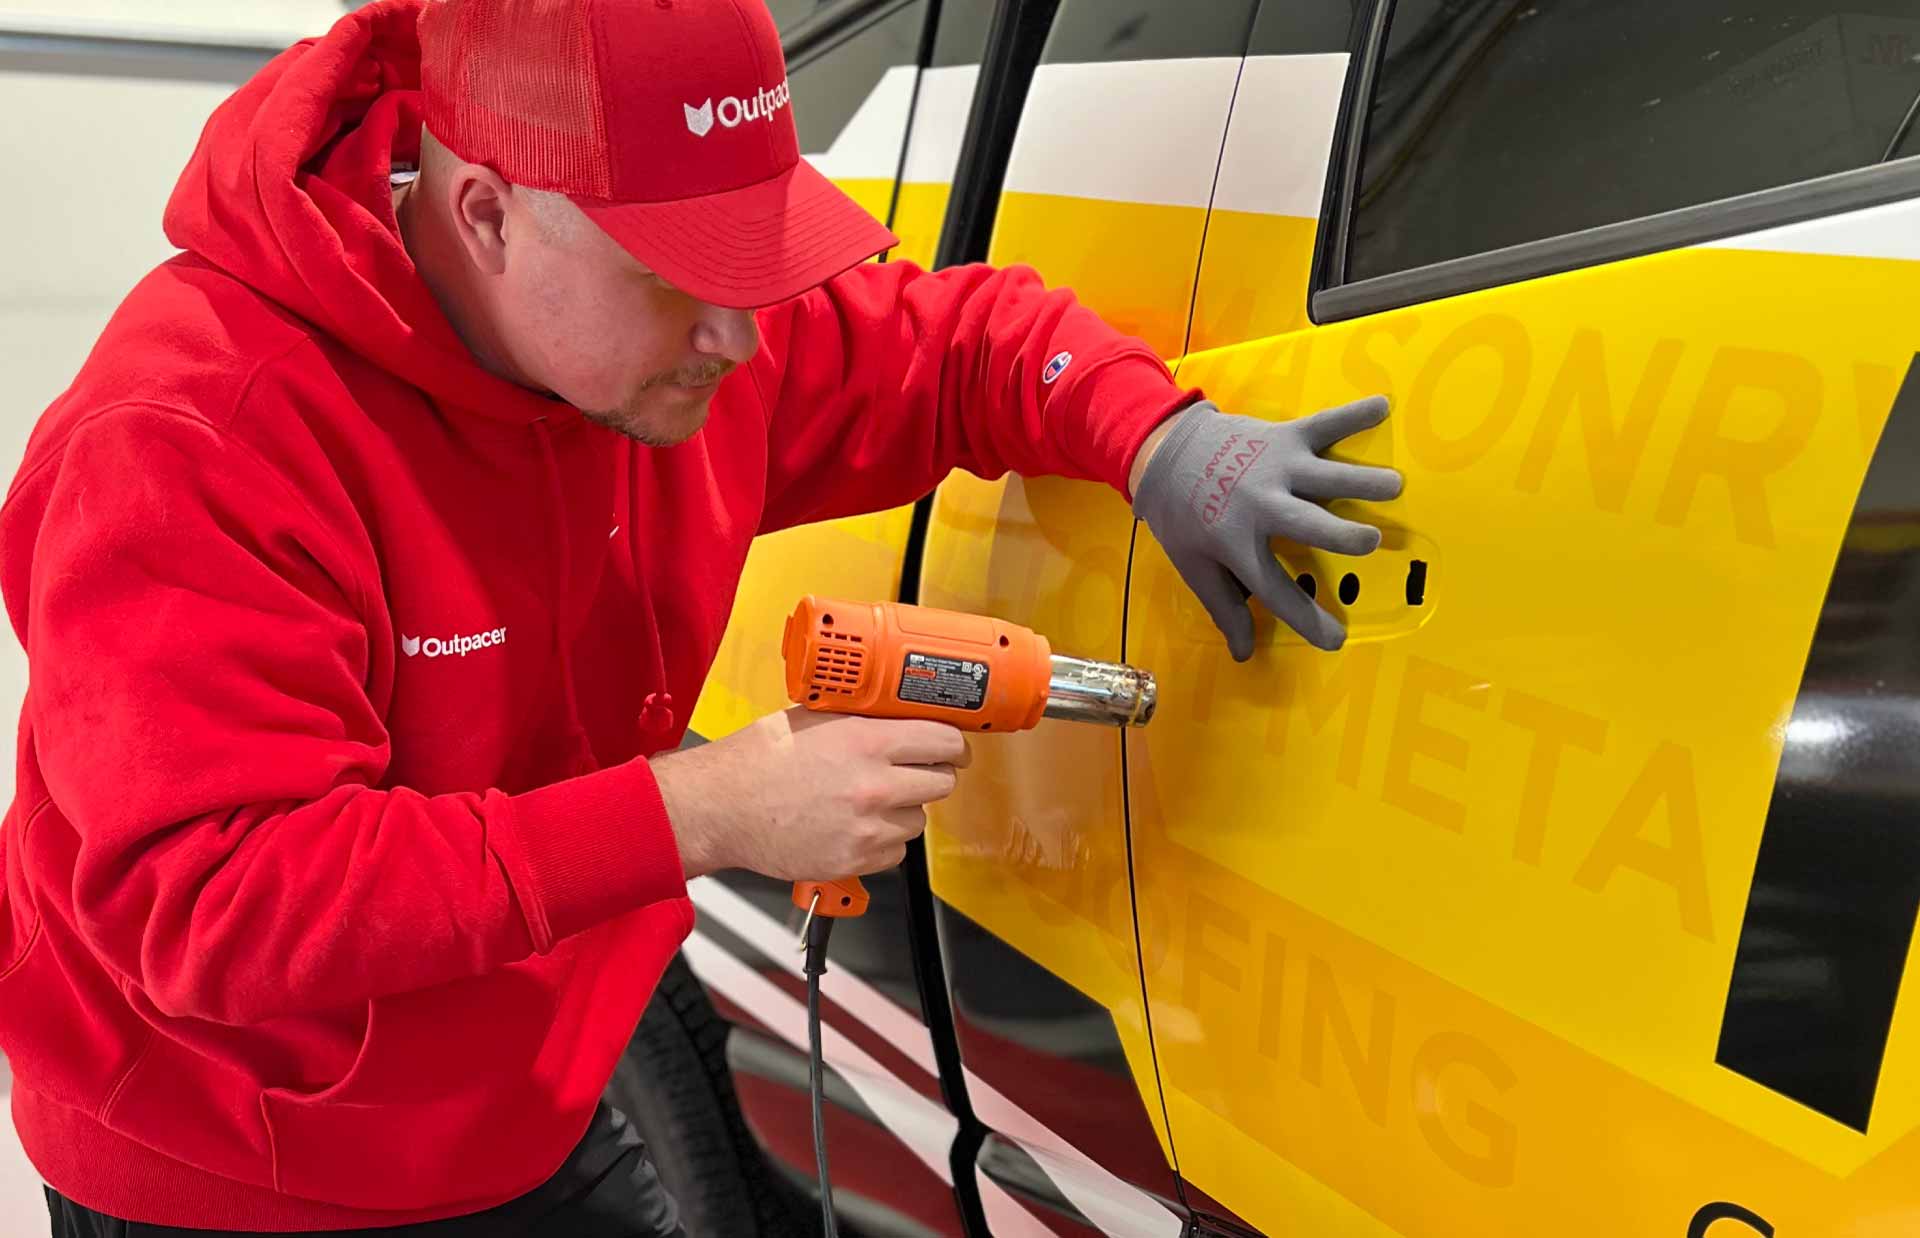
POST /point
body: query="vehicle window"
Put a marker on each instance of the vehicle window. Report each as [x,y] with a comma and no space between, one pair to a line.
[1496,122]
[1293,28]
[787,13]
[1837,877]
[829,86]
[962,35]
[1146,30]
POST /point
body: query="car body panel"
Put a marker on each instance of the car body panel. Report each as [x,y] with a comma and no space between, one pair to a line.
[1109,153]
[1266,208]
[1028,861]
[1033,847]
[1451,913]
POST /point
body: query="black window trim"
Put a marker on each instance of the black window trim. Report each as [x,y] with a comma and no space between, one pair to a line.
[1365,42]
[1335,299]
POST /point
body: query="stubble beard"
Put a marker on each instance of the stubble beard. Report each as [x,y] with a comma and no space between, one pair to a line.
[632,418]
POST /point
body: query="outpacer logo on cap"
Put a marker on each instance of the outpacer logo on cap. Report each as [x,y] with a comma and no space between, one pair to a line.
[591,98]
[734,111]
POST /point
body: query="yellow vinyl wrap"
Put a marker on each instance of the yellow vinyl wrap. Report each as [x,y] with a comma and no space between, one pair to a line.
[917,220]
[1141,289]
[1033,845]
[1443,924]
[1253,278]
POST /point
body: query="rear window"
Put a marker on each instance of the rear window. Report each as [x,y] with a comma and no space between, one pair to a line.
[1496,122]
[789,13]
[831,85]
[1110,30]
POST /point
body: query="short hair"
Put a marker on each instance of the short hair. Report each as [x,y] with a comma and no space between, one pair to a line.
[554,213]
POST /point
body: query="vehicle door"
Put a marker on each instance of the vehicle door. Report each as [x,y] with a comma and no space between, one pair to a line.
[1574,895]
[1113,152]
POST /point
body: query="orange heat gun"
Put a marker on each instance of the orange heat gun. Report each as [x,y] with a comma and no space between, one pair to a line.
[892,660]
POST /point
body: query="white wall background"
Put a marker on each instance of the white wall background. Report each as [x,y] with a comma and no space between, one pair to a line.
[271,20]
[90,163]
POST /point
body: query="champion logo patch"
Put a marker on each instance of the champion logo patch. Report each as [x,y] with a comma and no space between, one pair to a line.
[1056,367]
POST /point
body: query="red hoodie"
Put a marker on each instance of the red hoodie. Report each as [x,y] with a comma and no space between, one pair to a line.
[337,879]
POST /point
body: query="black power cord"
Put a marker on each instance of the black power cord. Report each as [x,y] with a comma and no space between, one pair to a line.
[819,928]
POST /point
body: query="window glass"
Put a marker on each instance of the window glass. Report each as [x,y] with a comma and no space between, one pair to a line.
[962,36]
[1298,27]
[788,12]
[828,88]
[1496,122]
[1147,30]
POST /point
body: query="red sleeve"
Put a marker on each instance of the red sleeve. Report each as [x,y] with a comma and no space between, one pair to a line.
[199,711]
[885,379]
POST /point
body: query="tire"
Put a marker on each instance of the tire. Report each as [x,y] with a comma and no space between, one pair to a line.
[674,1083]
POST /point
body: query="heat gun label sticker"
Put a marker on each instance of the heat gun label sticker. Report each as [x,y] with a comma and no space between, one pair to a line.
[955,683]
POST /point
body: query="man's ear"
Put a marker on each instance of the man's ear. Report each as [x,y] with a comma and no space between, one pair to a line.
[477,198]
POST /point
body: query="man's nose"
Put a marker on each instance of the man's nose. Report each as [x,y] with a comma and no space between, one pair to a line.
[730,333]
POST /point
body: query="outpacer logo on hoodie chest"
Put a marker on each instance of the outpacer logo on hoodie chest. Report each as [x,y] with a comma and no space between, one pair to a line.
[452,646]
[464,681]
[482,570]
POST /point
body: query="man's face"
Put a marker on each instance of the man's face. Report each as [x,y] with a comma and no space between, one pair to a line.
[584,319]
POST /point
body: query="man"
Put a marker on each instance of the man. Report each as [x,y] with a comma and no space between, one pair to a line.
[376,550]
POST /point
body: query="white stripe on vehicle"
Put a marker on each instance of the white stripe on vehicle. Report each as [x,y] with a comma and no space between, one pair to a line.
[897,1027]
[940,124]
[1891,230]
[1081,133]
[925,1128]
[1145,131]
[869,147]
[1114,1205]
[1281,135]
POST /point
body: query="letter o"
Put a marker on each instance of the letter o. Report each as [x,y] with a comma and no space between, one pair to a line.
[1447,453]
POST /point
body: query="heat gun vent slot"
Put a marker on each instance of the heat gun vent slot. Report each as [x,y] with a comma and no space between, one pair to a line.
[836,669]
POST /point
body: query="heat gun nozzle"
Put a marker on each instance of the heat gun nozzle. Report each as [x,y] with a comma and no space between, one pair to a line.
[1104,692]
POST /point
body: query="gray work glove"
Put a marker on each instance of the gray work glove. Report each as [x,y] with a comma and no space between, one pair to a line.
[1220,487]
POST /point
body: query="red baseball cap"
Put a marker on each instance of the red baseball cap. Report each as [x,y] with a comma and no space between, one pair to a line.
[667,121]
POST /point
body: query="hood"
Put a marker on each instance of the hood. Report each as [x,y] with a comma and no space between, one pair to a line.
[288,193]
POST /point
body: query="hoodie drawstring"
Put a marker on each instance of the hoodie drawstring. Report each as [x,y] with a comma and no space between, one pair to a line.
[583,759]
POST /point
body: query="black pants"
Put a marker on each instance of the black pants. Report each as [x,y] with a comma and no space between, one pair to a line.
[606,1189]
